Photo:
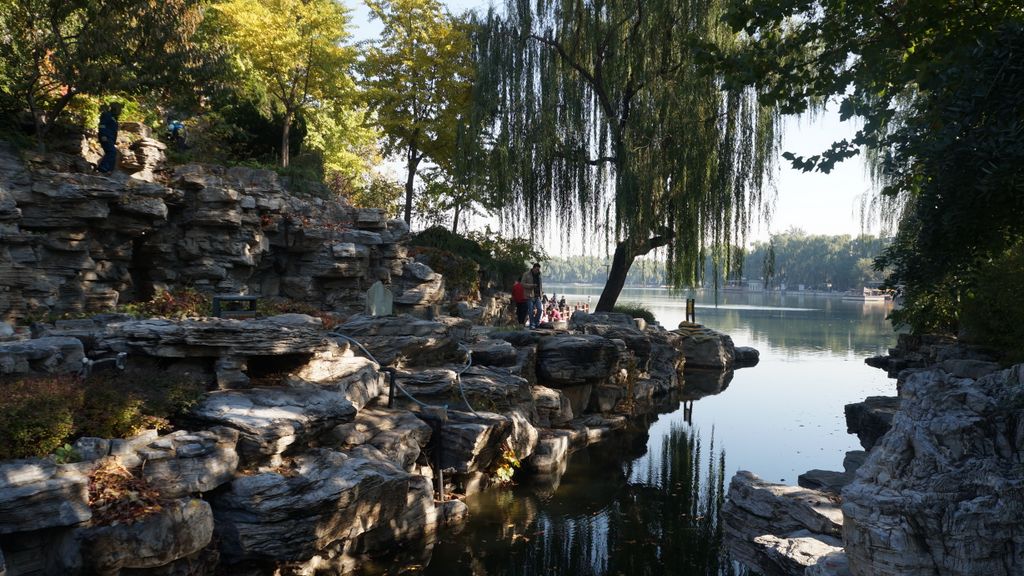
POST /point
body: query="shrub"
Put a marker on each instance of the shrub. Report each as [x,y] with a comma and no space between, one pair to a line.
[635,311]
[37,415]
[461,275]
[268,307]
[991,312]
[184,303]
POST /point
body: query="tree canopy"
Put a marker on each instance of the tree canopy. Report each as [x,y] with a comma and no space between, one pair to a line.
[292,50]
[417,80]
[56,50]
[940,88]
[599,114]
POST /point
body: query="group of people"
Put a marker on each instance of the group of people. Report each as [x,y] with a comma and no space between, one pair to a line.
[534,307]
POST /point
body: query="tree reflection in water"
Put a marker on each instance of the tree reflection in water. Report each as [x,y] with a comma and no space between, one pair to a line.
[619,509]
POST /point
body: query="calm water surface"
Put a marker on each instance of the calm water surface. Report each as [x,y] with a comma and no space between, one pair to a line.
[647,502]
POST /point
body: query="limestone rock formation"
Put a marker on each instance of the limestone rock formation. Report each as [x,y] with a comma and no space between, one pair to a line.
[74,241]
[705,348]
[270,420]
[779,530]
[37,494]
[871,419]
[418,342]
[48,355]
[942,492]
[323,497]
[181,528]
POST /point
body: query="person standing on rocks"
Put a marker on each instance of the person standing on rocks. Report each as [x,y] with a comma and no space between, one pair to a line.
[521,302]
[108,137]
[531,281]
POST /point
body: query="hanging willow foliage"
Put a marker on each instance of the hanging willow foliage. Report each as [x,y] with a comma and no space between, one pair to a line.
[599,114]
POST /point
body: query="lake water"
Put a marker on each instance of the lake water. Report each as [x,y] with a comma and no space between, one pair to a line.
[647,502]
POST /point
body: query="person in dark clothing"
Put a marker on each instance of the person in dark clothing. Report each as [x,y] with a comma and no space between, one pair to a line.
[108,137]
[531,281]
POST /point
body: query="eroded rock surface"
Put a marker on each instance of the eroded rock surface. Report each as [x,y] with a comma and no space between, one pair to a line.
[942,492]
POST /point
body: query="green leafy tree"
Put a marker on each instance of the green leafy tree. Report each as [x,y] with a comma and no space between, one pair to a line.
[292,51]
[939,86]
[56,50]
[418,82]
[597,113]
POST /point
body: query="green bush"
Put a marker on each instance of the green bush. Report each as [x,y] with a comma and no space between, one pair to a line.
[37,415]
[992,313]
[185,303]
[635,311]
[40,414]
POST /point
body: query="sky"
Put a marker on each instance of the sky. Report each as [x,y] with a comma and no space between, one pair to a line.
[813,202]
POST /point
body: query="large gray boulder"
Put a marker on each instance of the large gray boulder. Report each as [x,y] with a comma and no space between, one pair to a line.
[337,367]
[183,463]
[574,360]
[471,442]
[778,529]
[706,348]
[327,497]
[182,527]
[942,492]
[214,337]
[47,355]
[397,434]
[871,419]
[272,419]
[414,341]
[37,494]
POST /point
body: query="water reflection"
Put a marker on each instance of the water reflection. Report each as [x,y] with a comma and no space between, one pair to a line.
[633,505]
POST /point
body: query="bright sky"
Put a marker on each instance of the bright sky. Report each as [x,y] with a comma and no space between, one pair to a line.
[817,203]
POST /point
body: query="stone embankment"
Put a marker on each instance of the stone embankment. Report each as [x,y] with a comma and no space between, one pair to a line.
[940,489]
[299,461]
[73,241]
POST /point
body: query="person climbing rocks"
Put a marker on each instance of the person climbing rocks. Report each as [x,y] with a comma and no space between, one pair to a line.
[178,134]
[108,137]
[521,302]
[531,281]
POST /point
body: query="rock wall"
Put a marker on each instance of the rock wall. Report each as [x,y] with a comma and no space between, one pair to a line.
[943,491]
[72,241]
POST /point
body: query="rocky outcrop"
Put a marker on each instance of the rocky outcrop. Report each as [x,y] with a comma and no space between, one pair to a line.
[270,420]
[48,355]
[37,494]
[413,341]
[321,498]
[871,419]
[942,492]
[73,241]
[780,530]
[181,528]
[705,348]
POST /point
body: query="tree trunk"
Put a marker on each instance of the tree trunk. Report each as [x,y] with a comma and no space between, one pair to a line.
[413,158]
[285,132]
[625,252]
[455,220]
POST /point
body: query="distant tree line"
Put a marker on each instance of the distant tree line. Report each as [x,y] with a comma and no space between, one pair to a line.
[792,258]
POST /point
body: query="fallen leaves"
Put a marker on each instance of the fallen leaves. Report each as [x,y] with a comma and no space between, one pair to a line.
[116,496]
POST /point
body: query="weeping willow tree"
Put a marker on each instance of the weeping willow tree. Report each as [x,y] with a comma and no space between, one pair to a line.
[600,115]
